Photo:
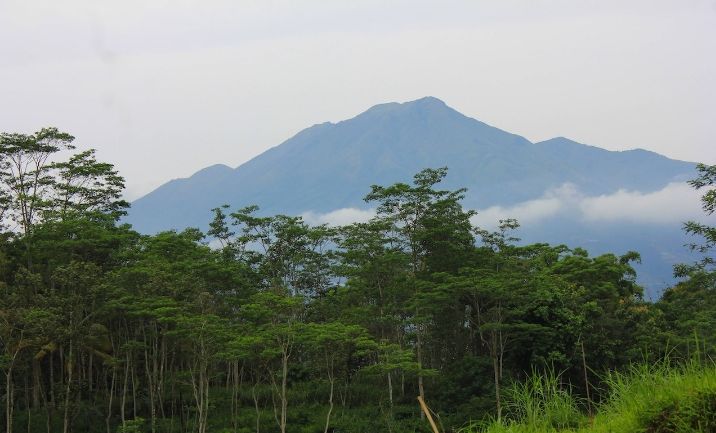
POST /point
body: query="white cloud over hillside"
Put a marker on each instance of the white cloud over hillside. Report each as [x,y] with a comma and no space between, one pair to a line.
[673,204]
[339,217]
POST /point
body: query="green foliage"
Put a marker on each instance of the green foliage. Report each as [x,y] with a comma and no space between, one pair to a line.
[649,398]
[705,180]
[271,324]
[132,426]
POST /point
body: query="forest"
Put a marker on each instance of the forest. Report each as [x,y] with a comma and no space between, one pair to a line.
[270,324]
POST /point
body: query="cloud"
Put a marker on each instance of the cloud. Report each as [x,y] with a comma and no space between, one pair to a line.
[675,203]
[339,217]
[553,202]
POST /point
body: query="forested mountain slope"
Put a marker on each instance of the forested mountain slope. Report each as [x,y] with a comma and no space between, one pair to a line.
[328,166]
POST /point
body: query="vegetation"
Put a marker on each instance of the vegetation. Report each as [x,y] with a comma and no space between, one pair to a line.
[646,398]
[269,324]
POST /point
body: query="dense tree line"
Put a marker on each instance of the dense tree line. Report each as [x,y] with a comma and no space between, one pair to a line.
[267,323]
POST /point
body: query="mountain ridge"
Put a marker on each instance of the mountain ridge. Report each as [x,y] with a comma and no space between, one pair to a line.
[331,166]
[424,131]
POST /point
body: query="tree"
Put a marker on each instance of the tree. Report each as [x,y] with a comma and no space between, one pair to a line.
[25,172]
[492,290]
[376,292]
[429,224]
[287,254]
[275,331]
[206,335]
[331,344]
[85,186]
[705,180]
[100,322]
[689,308]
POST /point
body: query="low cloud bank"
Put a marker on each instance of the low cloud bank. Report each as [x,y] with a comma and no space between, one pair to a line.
[339,217]
[675,203]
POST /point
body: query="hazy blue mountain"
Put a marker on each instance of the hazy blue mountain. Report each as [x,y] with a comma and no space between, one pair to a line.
[331,166]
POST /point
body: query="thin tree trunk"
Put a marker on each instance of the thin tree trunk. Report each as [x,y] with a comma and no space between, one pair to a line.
[111,397]
[89,376]
[200,388]
[133,373]
[27,405]
[52,379]
[421,389]
[332,380]
[68,389]
[205,420]
[9,400]
[256,406]
[48,417]
[496,371]
[402,383]
[149,372]
[37,386]
[586,380]
[160,380]
[284,398]
[238,374]
[125,384]
[390,390]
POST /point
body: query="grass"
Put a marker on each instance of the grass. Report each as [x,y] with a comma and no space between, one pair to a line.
[659,398]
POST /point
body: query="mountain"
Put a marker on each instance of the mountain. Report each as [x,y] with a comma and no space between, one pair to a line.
[331,166]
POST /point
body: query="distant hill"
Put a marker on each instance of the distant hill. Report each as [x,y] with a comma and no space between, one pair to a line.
[331,166]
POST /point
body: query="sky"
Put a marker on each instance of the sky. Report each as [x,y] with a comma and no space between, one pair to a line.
[165,88]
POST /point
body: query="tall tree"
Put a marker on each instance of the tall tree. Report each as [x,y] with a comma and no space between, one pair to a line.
[429,223]
[25,166]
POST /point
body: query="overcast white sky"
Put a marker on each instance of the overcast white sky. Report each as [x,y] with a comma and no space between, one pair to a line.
[165,88]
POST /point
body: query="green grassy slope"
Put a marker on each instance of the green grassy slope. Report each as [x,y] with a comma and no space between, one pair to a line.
[649,399]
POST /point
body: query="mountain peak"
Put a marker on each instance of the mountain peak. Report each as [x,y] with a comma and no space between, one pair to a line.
[424,105]
[427,101]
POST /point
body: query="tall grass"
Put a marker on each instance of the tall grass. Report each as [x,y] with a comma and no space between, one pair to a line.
[541,403]
[656,398]
[660,398]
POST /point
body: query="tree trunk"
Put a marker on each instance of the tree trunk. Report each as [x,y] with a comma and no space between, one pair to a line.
[68,389]
[134,377]
[200,388]
[27,405]
[496,370]
[256,406]
[52,380]
[390,390]
[205,421]
[332,380]
[109,404]
[125,385]
[90,382]
[37,386]
[149,373]
[421,389]
[586,380]
[9,400]
[238,374]
[48,415]
[284,398]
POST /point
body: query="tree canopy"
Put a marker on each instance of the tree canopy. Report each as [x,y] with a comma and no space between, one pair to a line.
[267,323]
